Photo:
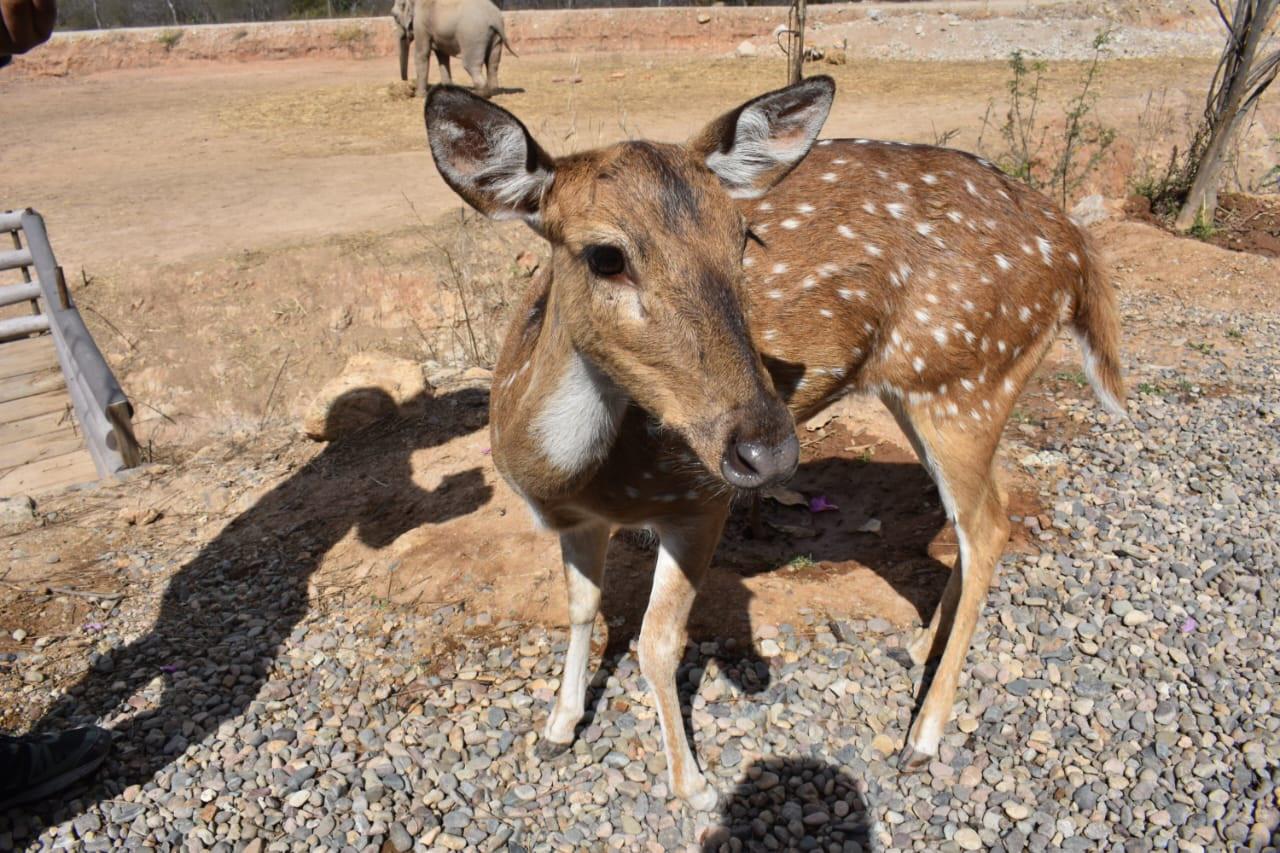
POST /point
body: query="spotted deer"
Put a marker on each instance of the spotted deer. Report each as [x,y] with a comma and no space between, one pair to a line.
[701,297]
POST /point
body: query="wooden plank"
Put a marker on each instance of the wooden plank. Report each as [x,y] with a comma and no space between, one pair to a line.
[27,356]
[40,404]
[41,424]
[39,447]
[15,258]
[50,474]
[31,384]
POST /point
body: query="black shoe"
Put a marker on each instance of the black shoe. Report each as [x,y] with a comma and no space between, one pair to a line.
[35,767]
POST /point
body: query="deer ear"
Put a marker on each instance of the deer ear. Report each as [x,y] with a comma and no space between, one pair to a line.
[487,156]
[756,145]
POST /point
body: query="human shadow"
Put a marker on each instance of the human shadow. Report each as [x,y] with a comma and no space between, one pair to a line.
[792,804]
[226,613]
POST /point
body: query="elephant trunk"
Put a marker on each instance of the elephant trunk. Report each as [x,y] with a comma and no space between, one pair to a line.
[404,56]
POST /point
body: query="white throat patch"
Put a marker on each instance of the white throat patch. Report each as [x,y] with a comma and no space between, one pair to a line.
[579,419]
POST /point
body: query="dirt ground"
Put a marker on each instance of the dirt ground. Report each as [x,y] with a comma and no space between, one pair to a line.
[234,233]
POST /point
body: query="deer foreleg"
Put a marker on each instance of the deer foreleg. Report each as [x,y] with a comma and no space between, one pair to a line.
[683,556]
[583,551]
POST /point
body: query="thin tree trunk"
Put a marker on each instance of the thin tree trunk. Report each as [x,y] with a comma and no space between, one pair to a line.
[1236,88]
[795,41]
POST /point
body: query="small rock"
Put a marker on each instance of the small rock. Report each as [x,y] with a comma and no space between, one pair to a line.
[746,50]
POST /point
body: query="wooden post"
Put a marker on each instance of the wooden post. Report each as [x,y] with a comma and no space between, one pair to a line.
[795,41]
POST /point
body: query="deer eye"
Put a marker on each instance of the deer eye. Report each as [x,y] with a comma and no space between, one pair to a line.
[606,261]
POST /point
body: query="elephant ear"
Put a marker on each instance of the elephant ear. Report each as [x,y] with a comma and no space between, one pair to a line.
[753,147]
[487,156]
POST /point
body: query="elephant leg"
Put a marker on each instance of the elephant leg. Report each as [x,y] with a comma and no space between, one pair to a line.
[491,67]
[473,59]
[421,61]
[446,77]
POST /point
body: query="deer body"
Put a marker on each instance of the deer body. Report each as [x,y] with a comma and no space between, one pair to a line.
[653,368]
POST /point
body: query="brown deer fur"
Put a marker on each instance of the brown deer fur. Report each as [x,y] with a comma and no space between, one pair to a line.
[921,275]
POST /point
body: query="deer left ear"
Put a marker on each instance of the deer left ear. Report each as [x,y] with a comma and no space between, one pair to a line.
[487,156]
[756,145]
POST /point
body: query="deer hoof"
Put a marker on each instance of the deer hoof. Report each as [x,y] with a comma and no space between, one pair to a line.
[703,799]
[549,749]
[911,760]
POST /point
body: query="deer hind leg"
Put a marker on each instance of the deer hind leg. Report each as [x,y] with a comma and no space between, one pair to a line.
[683,556]
[583,551]
[958,455]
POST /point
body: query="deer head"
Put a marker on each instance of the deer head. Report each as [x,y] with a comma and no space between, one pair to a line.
[646,257]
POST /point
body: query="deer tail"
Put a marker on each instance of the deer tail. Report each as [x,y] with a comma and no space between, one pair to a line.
[1096,325]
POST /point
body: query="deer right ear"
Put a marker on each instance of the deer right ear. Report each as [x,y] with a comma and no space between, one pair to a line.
[756,145]
[487,156]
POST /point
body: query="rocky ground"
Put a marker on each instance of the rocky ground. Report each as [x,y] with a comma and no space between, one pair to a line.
[1121,694]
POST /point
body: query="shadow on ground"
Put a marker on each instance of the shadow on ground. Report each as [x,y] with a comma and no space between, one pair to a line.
[790,800]
[226,613]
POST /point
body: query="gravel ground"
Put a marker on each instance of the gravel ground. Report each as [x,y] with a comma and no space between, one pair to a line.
[1121,694]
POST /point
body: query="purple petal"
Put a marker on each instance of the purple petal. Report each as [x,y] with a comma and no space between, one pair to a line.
[94,627]
[1189,624]
[168,667]
[819,503]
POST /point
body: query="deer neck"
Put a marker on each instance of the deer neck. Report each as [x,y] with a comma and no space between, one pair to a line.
[555,415]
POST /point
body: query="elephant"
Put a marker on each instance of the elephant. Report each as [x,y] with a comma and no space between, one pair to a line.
[471,29]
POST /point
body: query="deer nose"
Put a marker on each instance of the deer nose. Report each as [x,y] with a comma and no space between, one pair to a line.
[752,464]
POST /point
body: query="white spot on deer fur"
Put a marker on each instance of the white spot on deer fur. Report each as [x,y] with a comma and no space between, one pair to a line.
[748,261]
[933,298]
[866,326]
[579,419]
[869,207]
[966,384]
[1008,385]
[844,231]
[809,282]
[955,216]
[924,229]
[839,161]
[1024,313]
[922,315]
[918,398]
[1071,256]
[1046,251]
[882,174]
[929,179]
[1003,262]
[1004,195]
[940,335]
[779,269]
[986,404]
[790,224]
[942,390]
[907,346]
[953,409]
[775,294]
[762,228]
[968,185]
[967,304]
[918,364]
[1026,248]
[825,312]
[825,142]
[984,278]
[903,186]
[827,270]
[766,206]
[873,250]
[829,177]
[769,334]
[975,414]
[805,208]
[896,210]
[1000,345]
